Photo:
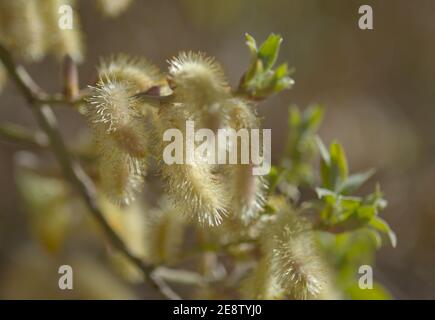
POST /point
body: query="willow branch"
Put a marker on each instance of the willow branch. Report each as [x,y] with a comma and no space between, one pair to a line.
[72,170]
[17,134]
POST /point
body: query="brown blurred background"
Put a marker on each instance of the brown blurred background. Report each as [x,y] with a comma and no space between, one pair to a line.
[377,88]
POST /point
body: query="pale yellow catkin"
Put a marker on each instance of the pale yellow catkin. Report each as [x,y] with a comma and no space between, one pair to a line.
[121,137]
[248,191]
[165,229]
[120,123]
[57,41]
[294,259]
[22,29]
[121,175]
[198,81]
[194,188]
[113,8]
[141,74]
[260,284]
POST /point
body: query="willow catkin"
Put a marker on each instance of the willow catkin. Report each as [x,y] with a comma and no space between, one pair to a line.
[248,190]
[120,123]
[140,73]
[121,137]
[192,187]
[61,41]
[164,234]
[198,81]
[294,259]
[260,284]
[121,175]
[113,8]
[21,28]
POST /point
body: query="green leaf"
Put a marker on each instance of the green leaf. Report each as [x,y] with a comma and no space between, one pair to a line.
[338,162]
[323,151]
[252,45]
[260,81]
[378,292]
[322,192]
[315,116]
[382,226]
[354,181]
[268,52]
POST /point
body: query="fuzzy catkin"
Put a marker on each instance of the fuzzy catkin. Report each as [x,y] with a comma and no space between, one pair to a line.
[141,74]
[194,188]
[260,284]
[121,175]
[113,8]
[22,29]
[294,259]
[57,41]
[198,81]
[120,126]
[248,190]
[164,234]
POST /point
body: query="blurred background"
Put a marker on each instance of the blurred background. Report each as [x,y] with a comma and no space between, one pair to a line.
[377,87]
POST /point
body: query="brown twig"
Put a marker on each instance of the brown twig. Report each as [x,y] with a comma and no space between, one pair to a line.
[40,103]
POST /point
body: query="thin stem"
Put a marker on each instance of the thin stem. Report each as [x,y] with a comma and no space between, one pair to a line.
[72,170]
[21,135]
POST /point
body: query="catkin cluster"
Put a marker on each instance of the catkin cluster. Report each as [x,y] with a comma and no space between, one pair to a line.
[31,29]
[129,131]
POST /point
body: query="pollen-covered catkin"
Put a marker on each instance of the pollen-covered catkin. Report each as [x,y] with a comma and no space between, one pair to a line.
[61,40]
[113,8]
[21,28]
[294,259]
